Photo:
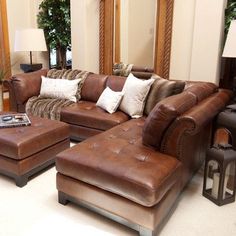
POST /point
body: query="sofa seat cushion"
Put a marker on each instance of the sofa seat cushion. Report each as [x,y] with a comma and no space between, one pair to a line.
[116,161]
[87,114]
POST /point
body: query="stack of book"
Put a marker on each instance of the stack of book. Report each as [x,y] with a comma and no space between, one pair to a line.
[14,120]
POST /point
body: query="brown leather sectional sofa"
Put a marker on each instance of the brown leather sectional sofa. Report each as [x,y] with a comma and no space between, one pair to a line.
[131,170]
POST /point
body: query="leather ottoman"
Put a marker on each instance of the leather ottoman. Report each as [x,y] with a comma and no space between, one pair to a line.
[26,150]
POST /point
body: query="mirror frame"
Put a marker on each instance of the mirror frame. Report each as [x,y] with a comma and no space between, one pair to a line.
[162,43]
[5,61]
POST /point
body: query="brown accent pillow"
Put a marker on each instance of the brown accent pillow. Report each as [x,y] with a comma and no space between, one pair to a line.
[160,89]
[163,114]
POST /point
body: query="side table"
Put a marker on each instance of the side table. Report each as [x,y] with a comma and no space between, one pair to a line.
[219,174]
[227,120]
[220,164]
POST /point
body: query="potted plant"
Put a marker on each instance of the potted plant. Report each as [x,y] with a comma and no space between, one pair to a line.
[230,14]
[54,18]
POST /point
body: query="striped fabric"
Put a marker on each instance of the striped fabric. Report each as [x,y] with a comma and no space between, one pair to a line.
[46,107]
[51,107]
[122,69]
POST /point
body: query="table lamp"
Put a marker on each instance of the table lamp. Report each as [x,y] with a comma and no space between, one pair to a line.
[230,44]
[30,40]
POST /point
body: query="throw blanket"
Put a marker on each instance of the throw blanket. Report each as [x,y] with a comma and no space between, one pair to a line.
[122,69]
[51,107]
[46,107]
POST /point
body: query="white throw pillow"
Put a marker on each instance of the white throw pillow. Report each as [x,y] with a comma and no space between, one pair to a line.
[135,93]
[109,100]
[59,88]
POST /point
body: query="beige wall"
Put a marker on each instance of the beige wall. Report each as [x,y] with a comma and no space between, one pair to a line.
[197,40]
[182,39]
[137,31]
[22,14]
[85,34]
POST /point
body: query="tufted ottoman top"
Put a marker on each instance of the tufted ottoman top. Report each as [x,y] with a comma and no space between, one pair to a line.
[117,161]
[21,142]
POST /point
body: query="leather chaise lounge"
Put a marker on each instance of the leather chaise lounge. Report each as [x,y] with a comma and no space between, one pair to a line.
[130,170]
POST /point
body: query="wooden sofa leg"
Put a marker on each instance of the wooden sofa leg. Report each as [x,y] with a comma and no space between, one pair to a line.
[21,181]
[62,198]
[147,232]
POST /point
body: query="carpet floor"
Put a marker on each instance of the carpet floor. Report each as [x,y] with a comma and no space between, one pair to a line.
[33,210]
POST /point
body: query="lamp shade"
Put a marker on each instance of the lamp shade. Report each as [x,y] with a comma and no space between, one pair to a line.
[30,40]
[230,44]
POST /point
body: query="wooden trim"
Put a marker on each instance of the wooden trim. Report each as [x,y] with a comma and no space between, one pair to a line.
[163,37]
[106,36]
[4,40]
[117,31]
[162,43]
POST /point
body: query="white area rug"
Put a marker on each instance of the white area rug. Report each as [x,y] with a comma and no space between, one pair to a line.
[34,211]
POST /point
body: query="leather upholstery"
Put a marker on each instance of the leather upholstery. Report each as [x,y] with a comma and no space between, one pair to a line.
[21,142]
[87,114]
[161,89]
[163,114]
[27,86]
[141,182]
[116,83]
[22,166]
[148,217]
[138,174]
[84,132]
[93,87]
[201,89]
[226,120]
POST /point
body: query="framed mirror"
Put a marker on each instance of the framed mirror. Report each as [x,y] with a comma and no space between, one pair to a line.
[162,42]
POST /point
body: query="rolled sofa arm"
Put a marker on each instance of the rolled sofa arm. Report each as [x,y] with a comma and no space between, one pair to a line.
[193,122]
[22,87]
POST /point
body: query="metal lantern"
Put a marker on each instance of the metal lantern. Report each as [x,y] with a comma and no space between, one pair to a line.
[219,174]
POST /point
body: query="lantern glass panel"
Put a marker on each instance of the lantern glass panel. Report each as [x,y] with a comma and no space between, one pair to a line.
[229,179]
[213,178]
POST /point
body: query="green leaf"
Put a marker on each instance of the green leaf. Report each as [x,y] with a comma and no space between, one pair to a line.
[54,18]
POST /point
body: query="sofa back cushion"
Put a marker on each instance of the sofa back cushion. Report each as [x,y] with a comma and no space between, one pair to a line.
[116,83]
[93,87]
[163,114]
[201,89]
[161,89]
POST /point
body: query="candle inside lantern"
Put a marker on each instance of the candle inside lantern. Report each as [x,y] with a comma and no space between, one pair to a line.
[215,186]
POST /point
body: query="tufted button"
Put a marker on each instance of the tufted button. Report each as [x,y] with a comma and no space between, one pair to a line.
[20,130]
[94,145]
[141,157]
[132,141]
[116,151]
[112,136]
[139,124]
[88,108]
[125,129]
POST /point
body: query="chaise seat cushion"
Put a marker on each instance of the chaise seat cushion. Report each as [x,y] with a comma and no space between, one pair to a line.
[116,161]
[87,114]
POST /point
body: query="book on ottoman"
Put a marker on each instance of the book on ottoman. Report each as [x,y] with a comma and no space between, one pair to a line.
[14,120]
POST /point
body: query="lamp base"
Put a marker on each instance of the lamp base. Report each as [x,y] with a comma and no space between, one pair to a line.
[30,67]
